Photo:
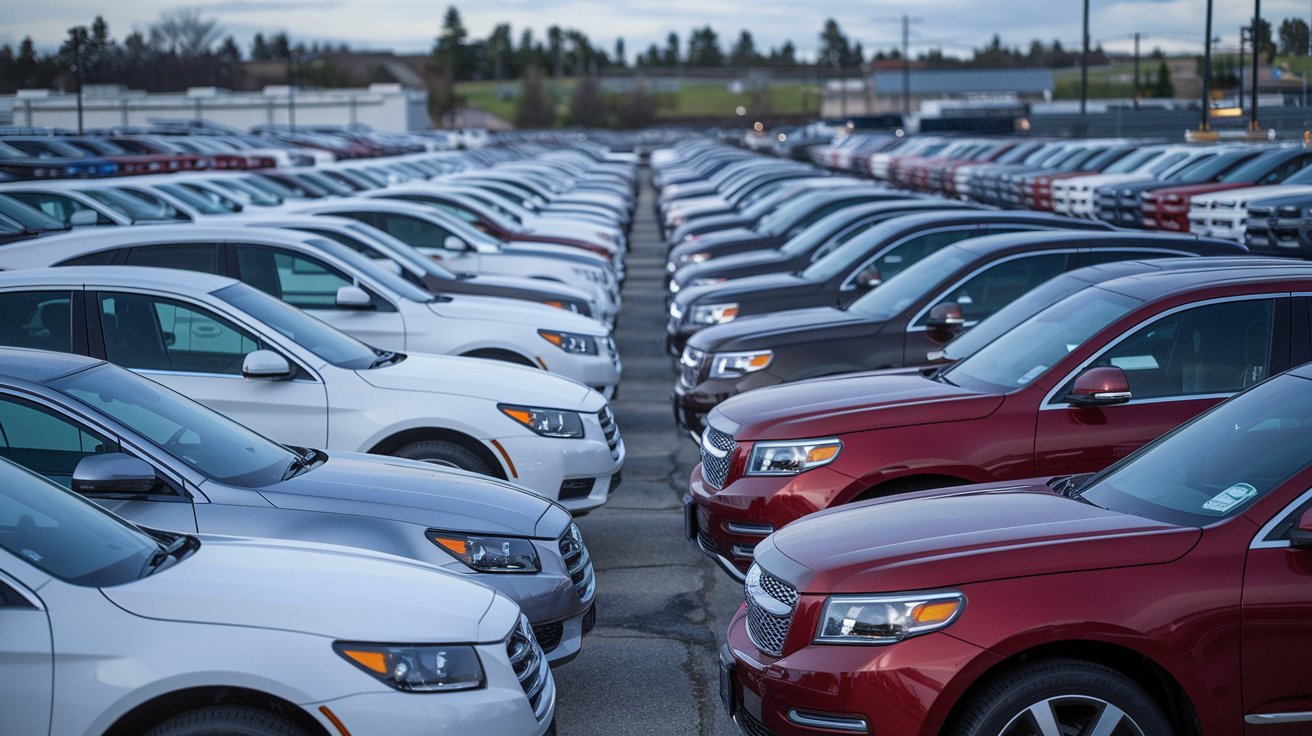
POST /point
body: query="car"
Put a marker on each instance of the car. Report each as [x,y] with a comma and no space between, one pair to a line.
[1280,226]
[157,458]
[1122,204]
[1165,595]
[1225,214]
[1157,348]
[353,293]
[298,381]
[752,210]
[113,628]
[19,221]
[855,269]
[1168,208]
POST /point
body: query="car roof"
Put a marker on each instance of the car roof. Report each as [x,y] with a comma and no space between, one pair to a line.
[61,246]
[1025,241]
[163,279]
[39,366]
[959,215]
[1154,285]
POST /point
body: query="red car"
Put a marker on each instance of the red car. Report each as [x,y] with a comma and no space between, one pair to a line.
[1171,594]
[1073,389]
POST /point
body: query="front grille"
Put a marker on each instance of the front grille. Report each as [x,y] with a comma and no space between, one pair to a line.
[549,635]
[612,351]
[770,605]
[690,367]
[707,541]
[611,430]
[751,726]
[575,488]
[530,666]
[578,562]
[717,456]
[615,481]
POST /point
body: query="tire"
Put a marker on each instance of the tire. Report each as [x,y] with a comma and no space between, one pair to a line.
[1073,694]
[227,720]
[448,454]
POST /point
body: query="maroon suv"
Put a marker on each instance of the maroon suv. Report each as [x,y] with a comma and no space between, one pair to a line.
[1071,390]
[1171,594]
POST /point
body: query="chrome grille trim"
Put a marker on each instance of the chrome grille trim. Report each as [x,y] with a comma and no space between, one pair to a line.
[610,430]
[578,562]
[530,666]
[770,606]
[717,456]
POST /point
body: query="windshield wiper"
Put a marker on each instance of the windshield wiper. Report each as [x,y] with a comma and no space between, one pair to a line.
[386,357]
[163,554]
[301,462]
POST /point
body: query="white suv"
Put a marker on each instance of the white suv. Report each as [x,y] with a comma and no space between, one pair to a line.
[106,627]
[299,381]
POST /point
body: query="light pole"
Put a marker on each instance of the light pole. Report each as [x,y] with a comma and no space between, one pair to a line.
[77,72]
[1253,35]
[1207,70]
[1084,63]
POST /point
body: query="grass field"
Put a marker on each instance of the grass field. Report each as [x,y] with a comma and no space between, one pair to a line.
[692,100]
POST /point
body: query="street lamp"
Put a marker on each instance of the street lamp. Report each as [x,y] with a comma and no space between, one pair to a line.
[1207,70]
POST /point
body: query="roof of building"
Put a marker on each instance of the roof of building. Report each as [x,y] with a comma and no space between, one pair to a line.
[965,81]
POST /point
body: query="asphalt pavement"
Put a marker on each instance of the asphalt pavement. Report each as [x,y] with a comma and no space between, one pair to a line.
[650,665]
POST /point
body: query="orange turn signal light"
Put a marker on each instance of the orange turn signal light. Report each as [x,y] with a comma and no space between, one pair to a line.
[935,613]
[374,661]
[822,453]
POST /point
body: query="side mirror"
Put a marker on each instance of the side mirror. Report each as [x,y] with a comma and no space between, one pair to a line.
[869,277]
[454,243]
[265,365]
[390,266]
[113,472]
[1104,386]
[353,297]
[83,218]
[1300,536]
[946,316]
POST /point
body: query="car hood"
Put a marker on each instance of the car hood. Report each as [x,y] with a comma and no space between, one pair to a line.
[1250,193]
[1193,190]
[963,535]
[324,590]
[546,288]
[848,403]
[775,329]
[517,311]
[730,263]
[726,291]
[419,493]
[486,379]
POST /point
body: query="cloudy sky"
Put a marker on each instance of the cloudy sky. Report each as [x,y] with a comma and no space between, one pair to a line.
[410,25]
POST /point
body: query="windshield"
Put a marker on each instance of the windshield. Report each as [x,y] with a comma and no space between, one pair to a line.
[136,207]
[209,442]
[205,201]
[319,338]
[1023,354]
[1133,161]
[1220,463]
[839,258]
[1031,303]
[369,247]
[254,194]
[911,285]
[67,536]
[1255,169]
[29,217]
[1211,168]
[388,279]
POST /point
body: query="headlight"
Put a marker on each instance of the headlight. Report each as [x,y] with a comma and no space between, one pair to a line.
[698,257]
[546,422]
[591,274]
[417,668]
[791,457]
[676,311]
[674,286]
[881,619]
[568,305]
[571,342]
[707,281]
[488,554]
[733,365]
[713,314]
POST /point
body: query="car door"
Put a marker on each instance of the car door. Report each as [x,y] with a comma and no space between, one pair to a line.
[311,284]
[199,354]
[1276,629]
[26,651]
[1179,364]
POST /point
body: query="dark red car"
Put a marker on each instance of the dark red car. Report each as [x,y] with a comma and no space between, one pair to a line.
[1169,595]
[1073,389]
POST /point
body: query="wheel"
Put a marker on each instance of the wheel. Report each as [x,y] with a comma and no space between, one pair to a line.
[1062,697]
[448,454]
[227,720]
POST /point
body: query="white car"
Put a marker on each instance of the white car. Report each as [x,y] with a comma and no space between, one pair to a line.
[1074,196]
[109,628]
[1224,214]
[68,201]
[296,380]
[352,293]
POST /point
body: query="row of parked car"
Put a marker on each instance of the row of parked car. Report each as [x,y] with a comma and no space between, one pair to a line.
[969,462]
[193,367]
[1247,192]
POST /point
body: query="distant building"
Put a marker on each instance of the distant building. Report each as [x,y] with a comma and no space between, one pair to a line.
[884,91]
[383,106]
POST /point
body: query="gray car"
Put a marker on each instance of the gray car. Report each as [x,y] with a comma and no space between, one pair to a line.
[163,461]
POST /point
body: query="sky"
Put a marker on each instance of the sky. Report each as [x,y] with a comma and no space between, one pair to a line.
[956,26]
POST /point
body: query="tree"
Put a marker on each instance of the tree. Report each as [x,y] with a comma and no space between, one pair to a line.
[704,48]
[534,109]
[500,52]
[785,56]
[184,33]
[449,53]
[556,50]
[619,58]
[835,51]
[670,56]
[587,107]
[1293,37]
[1265,45]
[1163,87]
[744,51]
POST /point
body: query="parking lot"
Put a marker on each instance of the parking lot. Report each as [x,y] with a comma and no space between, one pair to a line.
[662,607]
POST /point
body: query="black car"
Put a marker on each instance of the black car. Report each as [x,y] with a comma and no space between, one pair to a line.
[780,195]
[849,271]
[900,322]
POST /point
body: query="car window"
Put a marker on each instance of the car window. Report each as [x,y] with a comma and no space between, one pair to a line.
[301,281]
[1000,284]
[45,442]
[57,206]
[99,258]
[154,333]
[1215,348]
[37,319]
[412,231]
[892,261]
[202,257]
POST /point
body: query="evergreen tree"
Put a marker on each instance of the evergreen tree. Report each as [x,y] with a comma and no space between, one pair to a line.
[534,109]
[1163,87]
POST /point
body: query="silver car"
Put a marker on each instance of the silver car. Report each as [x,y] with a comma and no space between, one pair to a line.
[163,461]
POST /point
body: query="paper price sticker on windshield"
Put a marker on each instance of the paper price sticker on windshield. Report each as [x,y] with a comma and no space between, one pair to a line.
[1230,498]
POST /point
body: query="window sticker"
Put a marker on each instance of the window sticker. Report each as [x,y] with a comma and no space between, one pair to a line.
[1230,498]
[1135,362]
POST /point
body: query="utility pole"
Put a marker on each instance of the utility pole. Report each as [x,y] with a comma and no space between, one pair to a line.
[1136,70]
[1243,39]
[1084,64]
[291,92]
[906,67]
[1207,70]
[1253,124]
[77,72]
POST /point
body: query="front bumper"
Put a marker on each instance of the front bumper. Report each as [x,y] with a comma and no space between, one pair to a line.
[905,689]
[544,465]
[550,599]
[600,372]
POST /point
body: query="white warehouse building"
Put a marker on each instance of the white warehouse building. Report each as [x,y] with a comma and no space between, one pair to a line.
[382,106]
